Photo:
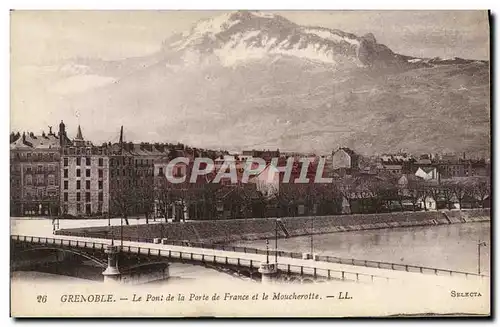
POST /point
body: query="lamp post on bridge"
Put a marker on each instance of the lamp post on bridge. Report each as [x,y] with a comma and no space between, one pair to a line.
[276,241]
[121,233]
[267,251]
[479,245]
[111,230]
[312,237]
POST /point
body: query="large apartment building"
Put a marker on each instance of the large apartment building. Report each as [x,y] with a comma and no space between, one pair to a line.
[34,174]
[84,171]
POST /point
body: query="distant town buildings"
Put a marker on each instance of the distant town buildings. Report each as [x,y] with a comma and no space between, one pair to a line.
[55,175]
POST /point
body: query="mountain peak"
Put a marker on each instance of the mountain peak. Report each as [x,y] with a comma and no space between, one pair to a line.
[236,37]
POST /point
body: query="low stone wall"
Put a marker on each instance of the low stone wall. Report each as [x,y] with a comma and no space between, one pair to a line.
[222,231]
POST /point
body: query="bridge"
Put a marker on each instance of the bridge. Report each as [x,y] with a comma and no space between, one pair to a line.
[136,262]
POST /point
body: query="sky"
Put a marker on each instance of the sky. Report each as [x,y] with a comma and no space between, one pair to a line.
[54,35]
[43,41]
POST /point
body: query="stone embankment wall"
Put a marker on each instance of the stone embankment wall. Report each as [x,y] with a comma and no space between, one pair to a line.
[222,231]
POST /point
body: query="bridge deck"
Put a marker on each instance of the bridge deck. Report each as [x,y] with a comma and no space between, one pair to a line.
[250,260]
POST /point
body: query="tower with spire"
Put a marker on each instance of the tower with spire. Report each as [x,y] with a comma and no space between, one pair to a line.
[79,140]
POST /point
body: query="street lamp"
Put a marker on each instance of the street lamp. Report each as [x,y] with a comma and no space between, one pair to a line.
[276,241]
[479,244]
[121,233]
[312,232]
[267,251]
[110,229]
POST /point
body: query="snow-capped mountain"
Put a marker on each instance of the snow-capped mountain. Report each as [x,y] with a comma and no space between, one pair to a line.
[245,35]
[256,79]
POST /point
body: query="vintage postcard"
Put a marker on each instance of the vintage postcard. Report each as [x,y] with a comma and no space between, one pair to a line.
[250,163]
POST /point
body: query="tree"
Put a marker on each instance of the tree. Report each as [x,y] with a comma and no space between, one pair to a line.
[163,197]
[415,191]
[432,190]
[446,190]
[480,189]
[347,189]
[124,200]
[144,196]
[460,190]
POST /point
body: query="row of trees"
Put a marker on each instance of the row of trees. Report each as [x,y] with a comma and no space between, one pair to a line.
[351,193]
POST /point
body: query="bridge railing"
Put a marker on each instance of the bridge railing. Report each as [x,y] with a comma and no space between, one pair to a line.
[332,259]
[314,272]
[297,255]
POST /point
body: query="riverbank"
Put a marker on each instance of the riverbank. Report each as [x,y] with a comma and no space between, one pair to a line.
[224,231]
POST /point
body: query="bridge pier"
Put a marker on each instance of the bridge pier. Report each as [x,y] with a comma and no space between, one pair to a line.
[112,273]
[269,272]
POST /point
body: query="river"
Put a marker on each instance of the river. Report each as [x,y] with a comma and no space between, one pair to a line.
[451,247]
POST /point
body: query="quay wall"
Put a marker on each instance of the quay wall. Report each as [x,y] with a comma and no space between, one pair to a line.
[224,231]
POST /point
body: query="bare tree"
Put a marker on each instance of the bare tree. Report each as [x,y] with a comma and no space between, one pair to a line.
[415,191]
[123,201]
[460,190]
[144,196]
[480,189]
[446,191]
[432,190]
[347,189]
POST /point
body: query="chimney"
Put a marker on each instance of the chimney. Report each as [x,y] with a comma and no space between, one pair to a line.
[121,138]
[62,134]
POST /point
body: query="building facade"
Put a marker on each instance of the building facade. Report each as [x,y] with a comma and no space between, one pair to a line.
[84,171]
[34,175]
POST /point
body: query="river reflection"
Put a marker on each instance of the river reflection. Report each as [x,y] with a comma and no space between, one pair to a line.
[447,246]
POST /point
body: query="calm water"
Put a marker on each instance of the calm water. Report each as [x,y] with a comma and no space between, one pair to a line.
[448,246]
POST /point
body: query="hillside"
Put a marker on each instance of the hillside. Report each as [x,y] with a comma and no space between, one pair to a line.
[253,80]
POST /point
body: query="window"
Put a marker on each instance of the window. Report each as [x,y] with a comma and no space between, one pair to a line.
[78,208]
[87,196]
[87,161]
[100,185]
[39,169]
[100,197]
[65,208]
[78,173]
[28,170]
[65,197]
[65,185]
[40,180]
[87,185]
[78,196]
[78,161]
[101,162]
[100,173]
[51,156]
[52,168]
[160,173]
[78,185]
[65,173]
[87,173]
[29,180]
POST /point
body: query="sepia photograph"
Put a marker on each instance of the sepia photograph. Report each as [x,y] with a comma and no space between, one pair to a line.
[250,163]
